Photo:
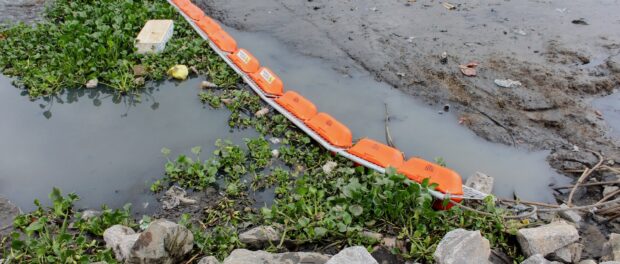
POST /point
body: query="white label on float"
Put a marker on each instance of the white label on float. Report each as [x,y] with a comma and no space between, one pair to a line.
[243,56]
[267,76]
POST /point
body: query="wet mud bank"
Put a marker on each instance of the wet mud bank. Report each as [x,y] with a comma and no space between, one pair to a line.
[565,54]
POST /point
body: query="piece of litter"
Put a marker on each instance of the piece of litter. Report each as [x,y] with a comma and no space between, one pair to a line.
[179,72]
[374,9]
[329,167]
[444,58]
[580,21]
[207,84]
[92,83]
[448,6]
[507,83]
[262,112]
[154,36]
[561,10]
[598,113]
[274,140]
[275,153]
[520,32]
[575,148]
[469,69]
[410,39]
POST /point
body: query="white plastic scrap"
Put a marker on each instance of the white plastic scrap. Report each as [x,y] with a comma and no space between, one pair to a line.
[508,83]
[329,167]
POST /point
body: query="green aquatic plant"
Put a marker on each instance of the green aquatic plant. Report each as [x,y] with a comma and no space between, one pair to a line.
[83,40]
[57,234]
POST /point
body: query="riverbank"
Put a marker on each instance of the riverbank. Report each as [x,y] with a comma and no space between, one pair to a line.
[322,203]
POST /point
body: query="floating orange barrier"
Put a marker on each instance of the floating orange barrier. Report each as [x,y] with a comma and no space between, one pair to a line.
[270,83]
[448,181]
[191,10]
[245,61]
[331,130]
[208,25]
[299,106]
[377,153]
[224,41]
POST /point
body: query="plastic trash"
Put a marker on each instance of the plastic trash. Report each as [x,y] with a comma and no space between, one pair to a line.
[469,69]
[179,72]
[508,83]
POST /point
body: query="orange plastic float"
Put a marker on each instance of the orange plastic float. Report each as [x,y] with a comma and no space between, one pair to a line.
[331,130]
[448,181]
[299,106]
[377,153]
[208,25]
[245,61]
[224,41]
[270,83]
[191,10]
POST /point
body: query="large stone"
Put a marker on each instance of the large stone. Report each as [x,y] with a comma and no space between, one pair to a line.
[260,236]
[461,246]
[568,254]
[244,256]
[8,212]
[209,260]
[120,239]
[162,242]
[350,255]
[546,239]
[536,259]
[587,261]
[480,182]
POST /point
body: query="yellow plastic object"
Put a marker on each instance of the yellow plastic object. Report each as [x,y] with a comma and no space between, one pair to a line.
[179,72]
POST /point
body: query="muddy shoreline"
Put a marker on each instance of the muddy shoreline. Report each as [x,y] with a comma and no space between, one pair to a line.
[563,65]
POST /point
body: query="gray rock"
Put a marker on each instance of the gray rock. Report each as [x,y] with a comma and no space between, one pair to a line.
[350,255]
[610,262]
[587,261]
[120,239]
[568,254]
[461,246]
[536,259]
[88,214]
[8,212]
[609,189]
[570,215]
[244,256]
[480,182]
[162,242]
[260,236]
[546,239]
[612,248]
[209,260]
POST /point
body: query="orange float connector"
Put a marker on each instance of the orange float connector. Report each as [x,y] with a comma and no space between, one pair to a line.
[245,61]
[331,130]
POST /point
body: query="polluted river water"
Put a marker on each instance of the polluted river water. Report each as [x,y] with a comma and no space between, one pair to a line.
[108,150]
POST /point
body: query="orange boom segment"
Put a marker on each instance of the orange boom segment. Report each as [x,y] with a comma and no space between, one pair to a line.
[331,130]
[191,10]
[245,61]
[377,153]
[224,41]
[447,180]
[208,25]
[299,106]
[270,83]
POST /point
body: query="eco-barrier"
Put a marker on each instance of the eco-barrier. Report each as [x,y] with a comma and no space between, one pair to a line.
[323,128]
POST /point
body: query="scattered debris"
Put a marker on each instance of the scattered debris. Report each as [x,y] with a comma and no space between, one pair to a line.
[373,9]
[561,10]
[275,153]
[139,70]
[519,31]
[507,83]
[444,58]
[154,36]
[262,112]
[329,167]
[576,148]
[140,81]
[92,84]
[207,85]
[448,6]
[274,140]
[410,39]
[194,70]
[174,197]
[469,69]
[446,108]
[179,72]
[580,21]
